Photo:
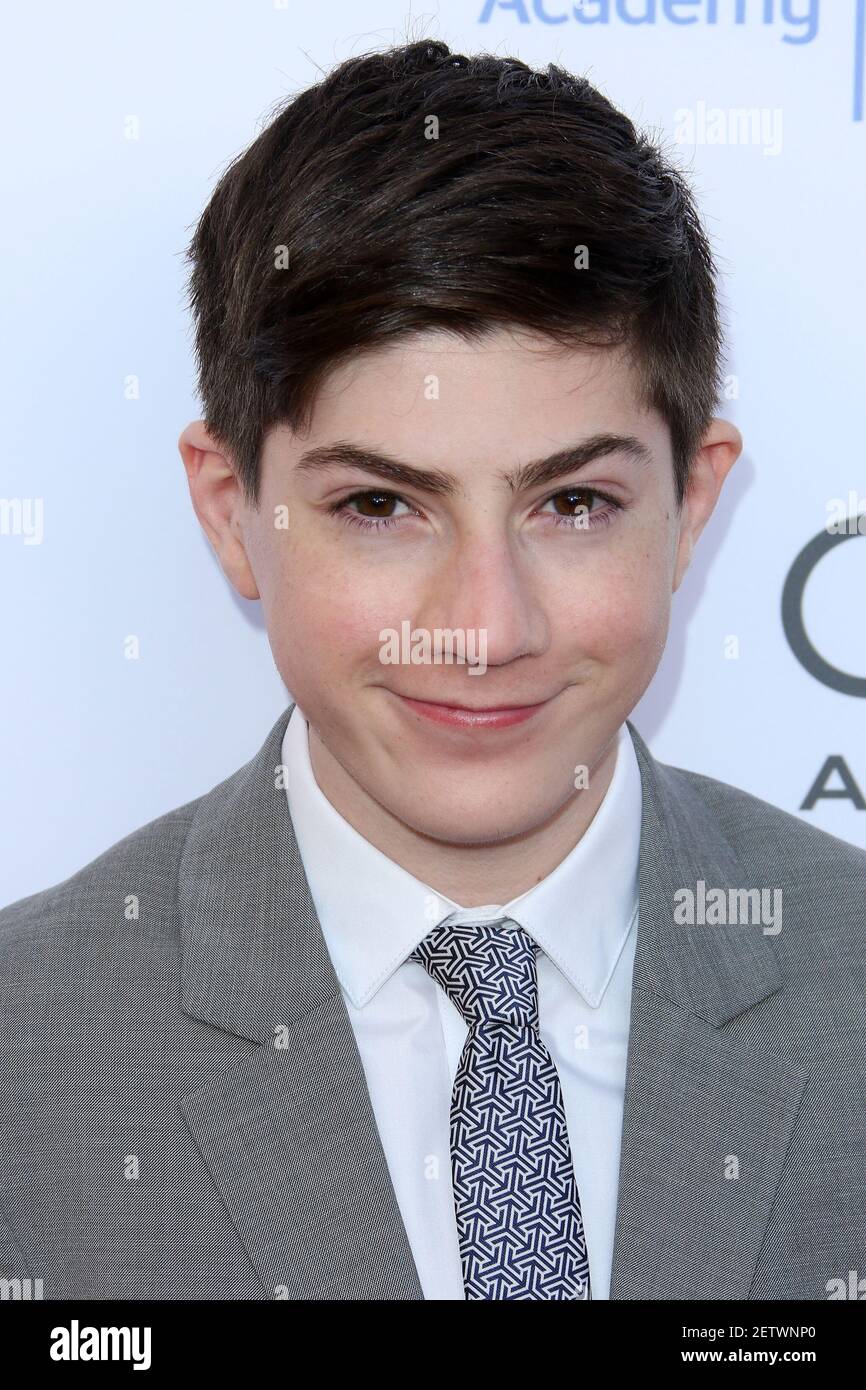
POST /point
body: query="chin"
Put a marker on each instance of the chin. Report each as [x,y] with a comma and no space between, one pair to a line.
[470,825]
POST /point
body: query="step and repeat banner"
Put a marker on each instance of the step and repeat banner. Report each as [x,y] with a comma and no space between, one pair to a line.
[134,677]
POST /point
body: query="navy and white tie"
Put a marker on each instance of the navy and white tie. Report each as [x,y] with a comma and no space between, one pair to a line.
[518,1211]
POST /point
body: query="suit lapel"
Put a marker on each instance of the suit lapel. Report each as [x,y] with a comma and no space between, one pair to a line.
[287,1130]
[698,1103]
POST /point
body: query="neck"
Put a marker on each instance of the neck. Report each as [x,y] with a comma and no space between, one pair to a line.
[470,875]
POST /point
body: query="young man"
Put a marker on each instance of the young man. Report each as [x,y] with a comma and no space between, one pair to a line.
[452,991]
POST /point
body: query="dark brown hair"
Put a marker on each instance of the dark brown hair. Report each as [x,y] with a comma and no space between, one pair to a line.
[385,231]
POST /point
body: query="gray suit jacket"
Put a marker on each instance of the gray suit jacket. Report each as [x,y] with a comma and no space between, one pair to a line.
[156,1144]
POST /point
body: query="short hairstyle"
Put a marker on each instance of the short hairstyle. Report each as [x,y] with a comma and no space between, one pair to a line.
[344,226]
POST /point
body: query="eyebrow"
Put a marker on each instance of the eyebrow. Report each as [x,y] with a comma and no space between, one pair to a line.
[567,460]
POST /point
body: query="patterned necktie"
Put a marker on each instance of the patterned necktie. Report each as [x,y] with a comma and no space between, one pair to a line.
[518,1212]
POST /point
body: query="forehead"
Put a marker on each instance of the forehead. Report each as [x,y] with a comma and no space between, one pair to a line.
[447,370]
[441,401]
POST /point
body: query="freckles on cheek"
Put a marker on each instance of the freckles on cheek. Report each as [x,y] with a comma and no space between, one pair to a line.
[343,621]
[621,618]
[335,603]
[645,616]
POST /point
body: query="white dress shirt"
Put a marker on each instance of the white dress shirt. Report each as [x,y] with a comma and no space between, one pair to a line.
[409,1034]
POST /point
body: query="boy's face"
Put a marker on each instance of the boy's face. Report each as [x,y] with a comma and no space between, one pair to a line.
[569,619]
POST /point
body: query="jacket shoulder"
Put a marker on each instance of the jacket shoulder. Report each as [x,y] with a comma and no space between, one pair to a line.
[760,831]
[134,883]
[143,862]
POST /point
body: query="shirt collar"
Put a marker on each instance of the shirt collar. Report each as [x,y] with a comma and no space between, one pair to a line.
[373,913]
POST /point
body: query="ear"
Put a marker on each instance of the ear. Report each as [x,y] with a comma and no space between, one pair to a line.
[719,450]
[218,502]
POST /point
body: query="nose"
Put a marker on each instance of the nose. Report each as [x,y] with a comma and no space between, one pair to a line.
[485,584]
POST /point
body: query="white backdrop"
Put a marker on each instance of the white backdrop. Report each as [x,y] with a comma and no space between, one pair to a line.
[117,122]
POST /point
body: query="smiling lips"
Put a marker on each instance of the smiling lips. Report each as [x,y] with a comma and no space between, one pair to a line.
[462,716]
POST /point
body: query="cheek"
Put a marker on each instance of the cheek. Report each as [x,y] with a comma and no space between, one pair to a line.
[618,607]
[325,617]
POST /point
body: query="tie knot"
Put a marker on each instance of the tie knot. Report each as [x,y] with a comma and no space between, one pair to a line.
[487,969]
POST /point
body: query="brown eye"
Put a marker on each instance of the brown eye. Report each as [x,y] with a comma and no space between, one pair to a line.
[374,503]
[575,501]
